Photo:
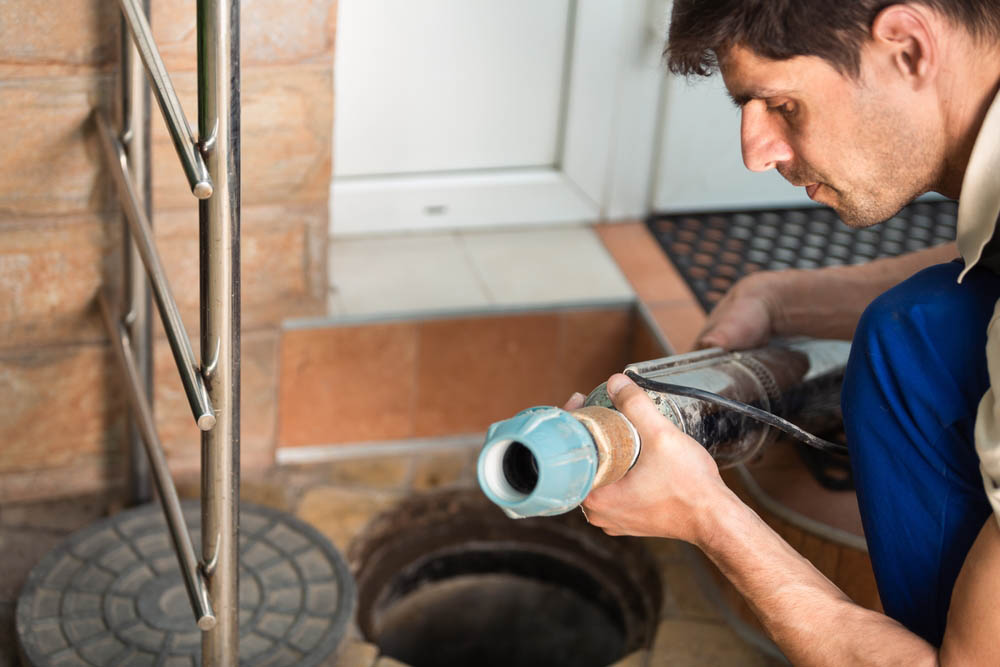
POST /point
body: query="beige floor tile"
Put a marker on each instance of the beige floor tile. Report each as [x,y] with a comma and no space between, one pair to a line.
[353,653]
[439,470]
[683,596]
[340,514]
[684,643]
[377,472]
[551,265]
[401,274]
[386,661]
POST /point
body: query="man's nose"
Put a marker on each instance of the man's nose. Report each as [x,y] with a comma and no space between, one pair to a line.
[762,137]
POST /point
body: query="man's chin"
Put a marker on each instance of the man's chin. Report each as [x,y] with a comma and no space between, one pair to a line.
[860,217]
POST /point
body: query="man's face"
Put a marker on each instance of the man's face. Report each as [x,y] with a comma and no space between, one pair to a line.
[864,146]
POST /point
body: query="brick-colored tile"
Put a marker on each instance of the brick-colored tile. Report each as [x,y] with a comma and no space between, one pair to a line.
[50,38]
[87,474]
[271,32]
[50,160]
[593,344]
[61,405]
[347,384]
[680,323]
[474,371]
[258,414]
[282,252]
[645,344]
[286,139]
[644,263]
[63,515]
[50,272]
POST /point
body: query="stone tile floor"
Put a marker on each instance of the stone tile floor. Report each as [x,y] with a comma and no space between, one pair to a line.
[338,498]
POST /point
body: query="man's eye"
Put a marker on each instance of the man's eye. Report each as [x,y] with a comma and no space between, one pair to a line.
[786,109]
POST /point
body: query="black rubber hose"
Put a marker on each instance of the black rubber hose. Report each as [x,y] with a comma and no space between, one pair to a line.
[750,411]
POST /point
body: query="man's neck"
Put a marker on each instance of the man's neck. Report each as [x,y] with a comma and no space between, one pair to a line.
[965,100]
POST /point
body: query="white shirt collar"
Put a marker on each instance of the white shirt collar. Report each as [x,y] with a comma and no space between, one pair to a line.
[979,204]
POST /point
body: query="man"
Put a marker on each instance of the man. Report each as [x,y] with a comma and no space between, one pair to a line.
[867,105]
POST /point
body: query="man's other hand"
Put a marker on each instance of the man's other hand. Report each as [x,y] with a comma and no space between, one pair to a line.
[746,316]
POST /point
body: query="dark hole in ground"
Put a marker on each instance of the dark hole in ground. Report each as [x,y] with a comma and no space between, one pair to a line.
[499,620]
[448,580]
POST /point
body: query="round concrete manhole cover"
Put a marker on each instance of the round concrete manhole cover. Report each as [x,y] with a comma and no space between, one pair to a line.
[112,594]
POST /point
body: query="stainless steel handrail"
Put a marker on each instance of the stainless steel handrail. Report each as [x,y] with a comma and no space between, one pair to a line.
[213,585]
[132,120]
[194,385]
[219,217]
[180,131]
[190,571]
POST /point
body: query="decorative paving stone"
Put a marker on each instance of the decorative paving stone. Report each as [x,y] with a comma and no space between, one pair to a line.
[112,594]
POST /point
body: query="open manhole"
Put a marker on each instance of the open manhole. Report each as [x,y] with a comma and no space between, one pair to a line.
[446,579]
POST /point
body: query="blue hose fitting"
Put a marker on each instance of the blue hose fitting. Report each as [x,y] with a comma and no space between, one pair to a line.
[540,462]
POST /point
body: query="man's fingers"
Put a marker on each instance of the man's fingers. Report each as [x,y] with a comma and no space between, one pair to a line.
[633,402]
[575,401]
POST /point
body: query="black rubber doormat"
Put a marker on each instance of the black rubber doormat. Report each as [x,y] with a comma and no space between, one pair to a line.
[713,250]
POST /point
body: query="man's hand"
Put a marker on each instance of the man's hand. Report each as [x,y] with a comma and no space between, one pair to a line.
[822,303]
[671,485]
[745,317]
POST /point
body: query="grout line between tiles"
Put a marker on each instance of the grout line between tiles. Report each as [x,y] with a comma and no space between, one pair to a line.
[474,267]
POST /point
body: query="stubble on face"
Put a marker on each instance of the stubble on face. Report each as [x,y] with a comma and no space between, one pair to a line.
[893,157]
[882,163]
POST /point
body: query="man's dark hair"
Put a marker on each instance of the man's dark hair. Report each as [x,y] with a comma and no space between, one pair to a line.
[703,30]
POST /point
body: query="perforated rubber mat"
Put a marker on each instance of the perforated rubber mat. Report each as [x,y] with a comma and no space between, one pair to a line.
[713,250]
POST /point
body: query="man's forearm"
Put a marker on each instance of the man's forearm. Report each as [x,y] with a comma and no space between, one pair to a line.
[828,302]
[812,621]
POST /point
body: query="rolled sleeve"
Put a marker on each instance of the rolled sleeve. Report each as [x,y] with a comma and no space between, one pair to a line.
[987,431]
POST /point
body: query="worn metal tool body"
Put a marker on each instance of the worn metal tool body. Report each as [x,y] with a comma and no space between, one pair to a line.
[545,461]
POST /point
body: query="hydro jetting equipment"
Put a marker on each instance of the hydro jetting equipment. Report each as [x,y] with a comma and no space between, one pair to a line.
[545,460]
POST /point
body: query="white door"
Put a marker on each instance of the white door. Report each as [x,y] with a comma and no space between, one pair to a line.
[465,113]
[699,165]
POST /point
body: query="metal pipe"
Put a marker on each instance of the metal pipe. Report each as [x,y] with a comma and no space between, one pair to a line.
[219,216]
[193,581]
[133,123]
[194,386]
[180,131]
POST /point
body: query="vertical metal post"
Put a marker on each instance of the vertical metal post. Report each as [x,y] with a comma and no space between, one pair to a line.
[219,218]
[133,124]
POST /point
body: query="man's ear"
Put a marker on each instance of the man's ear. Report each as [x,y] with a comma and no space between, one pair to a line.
[907,37]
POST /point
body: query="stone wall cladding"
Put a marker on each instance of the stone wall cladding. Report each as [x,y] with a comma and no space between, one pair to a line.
[62,405]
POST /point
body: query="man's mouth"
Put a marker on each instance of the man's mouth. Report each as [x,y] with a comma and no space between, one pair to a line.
[811,190]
